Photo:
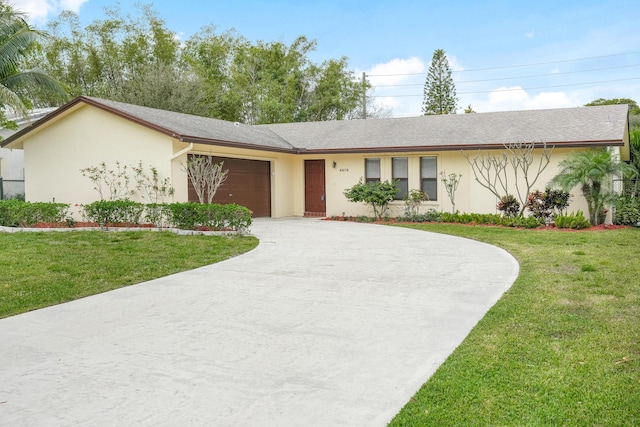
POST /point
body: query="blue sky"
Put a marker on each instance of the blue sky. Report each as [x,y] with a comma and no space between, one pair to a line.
[506,55]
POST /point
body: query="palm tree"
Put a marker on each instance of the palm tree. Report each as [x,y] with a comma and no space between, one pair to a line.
[591,170]
[21,89]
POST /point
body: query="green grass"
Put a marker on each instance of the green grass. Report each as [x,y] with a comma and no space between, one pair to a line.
[560,348]
[43,269]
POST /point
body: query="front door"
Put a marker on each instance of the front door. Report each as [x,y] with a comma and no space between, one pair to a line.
[314,188]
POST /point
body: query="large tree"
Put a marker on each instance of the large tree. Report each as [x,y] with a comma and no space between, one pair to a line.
[21,88]
[112,57]
[270,82]
[439,89]
[222,75]
[592,170]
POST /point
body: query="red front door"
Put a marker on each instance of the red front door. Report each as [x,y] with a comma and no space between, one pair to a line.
[314,188]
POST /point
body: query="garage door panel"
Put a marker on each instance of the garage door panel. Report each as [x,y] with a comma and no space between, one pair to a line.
[248,184]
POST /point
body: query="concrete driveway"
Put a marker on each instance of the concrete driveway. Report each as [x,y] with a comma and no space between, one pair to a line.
[325,323]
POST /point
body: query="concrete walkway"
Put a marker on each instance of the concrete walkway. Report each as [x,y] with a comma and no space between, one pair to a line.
[325,323]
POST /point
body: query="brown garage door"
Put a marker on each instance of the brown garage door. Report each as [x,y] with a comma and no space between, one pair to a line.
[248,184]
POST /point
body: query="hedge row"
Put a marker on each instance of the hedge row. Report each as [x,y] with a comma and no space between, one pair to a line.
[473,218]
[16,213]
[187,216]
[575,221]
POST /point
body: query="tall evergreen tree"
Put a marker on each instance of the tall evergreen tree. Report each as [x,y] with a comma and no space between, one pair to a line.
[439,90]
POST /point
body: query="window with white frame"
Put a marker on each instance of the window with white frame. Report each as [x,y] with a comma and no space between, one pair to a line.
[400,173]
[372,170]
[429,176]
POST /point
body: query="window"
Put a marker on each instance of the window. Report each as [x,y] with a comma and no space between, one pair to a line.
[400,173]
[429,176]
[371,170]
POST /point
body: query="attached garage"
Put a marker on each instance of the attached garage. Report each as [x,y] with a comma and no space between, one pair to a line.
[248,184]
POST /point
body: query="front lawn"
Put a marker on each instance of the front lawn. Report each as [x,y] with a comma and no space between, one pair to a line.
[561,347]
[43,269]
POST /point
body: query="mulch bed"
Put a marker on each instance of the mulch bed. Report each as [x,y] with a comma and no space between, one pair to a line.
[86,225]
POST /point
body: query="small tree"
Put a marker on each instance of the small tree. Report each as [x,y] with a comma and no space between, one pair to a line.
[375,193]
[493,172]
[206,176]
[153,189]
[414,200]
[439,90]
[113,183]
[592,171]
[451,183]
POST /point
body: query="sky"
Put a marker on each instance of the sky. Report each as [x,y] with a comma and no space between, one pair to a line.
[505,55]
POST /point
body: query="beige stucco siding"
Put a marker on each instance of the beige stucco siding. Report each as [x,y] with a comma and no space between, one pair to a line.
[53,159]
[470,196]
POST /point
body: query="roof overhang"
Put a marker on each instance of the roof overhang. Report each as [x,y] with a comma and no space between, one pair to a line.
[428,148]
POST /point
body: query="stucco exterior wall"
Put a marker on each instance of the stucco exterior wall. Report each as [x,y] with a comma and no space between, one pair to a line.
[469,197]
[53,159]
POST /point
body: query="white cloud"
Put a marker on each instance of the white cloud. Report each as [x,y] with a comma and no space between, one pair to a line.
[516,98]
[395,82]
[40,10]
[454,63]
[530,34]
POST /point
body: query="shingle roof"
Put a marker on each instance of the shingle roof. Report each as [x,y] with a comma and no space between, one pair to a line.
[567,126]
[185,127]
[581,126]
[192,128]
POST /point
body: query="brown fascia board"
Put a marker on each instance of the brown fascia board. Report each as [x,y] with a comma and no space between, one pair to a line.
[427,148]
[209,141]
[40,122]
[91,102]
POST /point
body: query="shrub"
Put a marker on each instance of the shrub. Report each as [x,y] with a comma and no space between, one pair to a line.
[543,205]
[106,212]
[414,200]
[575,220]
[190,216]
[156,214]
[430,216]
[17,213]
[509,205]
[627,211]
[378,194]
[521,221]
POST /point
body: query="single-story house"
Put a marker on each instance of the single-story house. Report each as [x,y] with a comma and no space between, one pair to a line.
[302,169]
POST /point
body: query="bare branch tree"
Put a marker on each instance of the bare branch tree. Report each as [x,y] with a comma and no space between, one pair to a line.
[206,176]
[492,171]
